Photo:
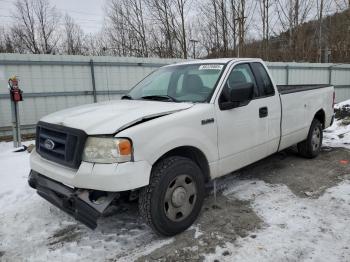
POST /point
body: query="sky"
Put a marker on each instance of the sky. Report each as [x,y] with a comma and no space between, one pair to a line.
[87,13]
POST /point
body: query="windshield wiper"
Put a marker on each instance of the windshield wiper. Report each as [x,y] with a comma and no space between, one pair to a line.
[160,98]
[126,97]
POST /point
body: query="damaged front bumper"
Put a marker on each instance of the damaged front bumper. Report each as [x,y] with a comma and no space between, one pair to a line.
[84,205]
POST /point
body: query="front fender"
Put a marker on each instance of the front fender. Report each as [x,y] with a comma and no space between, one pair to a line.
[162,143]
[154,138]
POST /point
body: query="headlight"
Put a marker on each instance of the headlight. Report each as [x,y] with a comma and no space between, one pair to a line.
[107,150]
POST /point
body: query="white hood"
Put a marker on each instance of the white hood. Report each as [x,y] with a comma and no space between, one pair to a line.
[112,116]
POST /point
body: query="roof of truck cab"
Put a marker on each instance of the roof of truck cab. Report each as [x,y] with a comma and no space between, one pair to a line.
[217,61]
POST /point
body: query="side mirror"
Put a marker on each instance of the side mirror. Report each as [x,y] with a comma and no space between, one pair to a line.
[240,95]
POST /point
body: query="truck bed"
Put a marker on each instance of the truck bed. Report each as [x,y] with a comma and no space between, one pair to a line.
[300,104]
[287,89]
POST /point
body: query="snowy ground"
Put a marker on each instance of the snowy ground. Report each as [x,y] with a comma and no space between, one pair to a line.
[33,230]
[338,135]
[296,229]
[258,218]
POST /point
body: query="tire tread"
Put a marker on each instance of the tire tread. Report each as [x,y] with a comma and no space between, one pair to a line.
[147,192]
[304,147]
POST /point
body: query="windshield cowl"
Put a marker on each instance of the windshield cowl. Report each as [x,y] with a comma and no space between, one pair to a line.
[160,98]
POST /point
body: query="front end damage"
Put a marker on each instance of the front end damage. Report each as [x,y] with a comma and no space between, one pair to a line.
[84,205]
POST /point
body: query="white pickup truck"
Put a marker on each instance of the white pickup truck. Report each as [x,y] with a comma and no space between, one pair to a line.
[180,127]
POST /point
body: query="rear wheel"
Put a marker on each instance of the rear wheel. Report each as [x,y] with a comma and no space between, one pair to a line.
[311,147]
[174,197]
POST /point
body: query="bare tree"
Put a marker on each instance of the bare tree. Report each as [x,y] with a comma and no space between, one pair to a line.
[180,8]
[271,29]
[24,31]
[323,8]
[98,45]
[341,37]
[127,27]
[6,45]
[73,37]
[216,26]
[48,18]
[245,12]
[265,8]
[161,10]
[209,26]
[36,29]
[291,14]
[224,25]
[342,4]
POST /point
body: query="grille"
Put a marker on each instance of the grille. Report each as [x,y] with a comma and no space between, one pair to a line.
[60,144]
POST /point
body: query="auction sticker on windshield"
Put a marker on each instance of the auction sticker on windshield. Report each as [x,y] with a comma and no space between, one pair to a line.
[211,67]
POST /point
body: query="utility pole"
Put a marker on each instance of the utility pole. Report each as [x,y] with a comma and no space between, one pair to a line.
[267,27]
[194,42]
[234,12]
[320,30]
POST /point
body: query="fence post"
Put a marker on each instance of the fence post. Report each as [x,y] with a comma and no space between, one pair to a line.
[287,75]
[16,132]
[93,80]
[330,75]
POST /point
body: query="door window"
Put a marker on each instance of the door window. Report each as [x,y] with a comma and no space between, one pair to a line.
[240,74]
[265,84]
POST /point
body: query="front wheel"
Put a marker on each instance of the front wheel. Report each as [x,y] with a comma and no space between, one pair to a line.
[173,199]
[311,147]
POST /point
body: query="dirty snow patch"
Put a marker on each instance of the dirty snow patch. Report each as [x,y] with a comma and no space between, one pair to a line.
[296,229]
[338,135]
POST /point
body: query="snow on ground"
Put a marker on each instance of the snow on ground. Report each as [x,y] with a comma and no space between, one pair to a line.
[338,135]
[294,228]
[31,229]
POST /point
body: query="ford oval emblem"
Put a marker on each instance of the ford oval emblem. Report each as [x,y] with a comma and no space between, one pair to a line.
[49,144]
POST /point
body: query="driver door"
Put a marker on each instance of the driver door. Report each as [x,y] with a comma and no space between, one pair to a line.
[242,131]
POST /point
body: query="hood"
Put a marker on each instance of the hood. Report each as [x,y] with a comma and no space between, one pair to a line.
[111,117]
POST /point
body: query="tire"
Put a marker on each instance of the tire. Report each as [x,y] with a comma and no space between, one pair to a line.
[311,147]
[173,199]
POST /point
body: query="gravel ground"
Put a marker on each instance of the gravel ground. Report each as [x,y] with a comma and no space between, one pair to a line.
[232,217]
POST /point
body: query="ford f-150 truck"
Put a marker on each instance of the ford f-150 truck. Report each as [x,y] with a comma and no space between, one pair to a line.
[177,129]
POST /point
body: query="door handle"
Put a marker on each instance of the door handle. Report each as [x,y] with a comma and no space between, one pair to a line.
[263,112]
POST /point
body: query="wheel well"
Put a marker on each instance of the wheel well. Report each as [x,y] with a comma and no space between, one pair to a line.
[320,116]
[194,154]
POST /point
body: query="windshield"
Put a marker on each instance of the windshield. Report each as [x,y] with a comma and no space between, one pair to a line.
[182,83]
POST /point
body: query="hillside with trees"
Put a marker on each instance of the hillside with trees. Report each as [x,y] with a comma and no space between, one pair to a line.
[334,45]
